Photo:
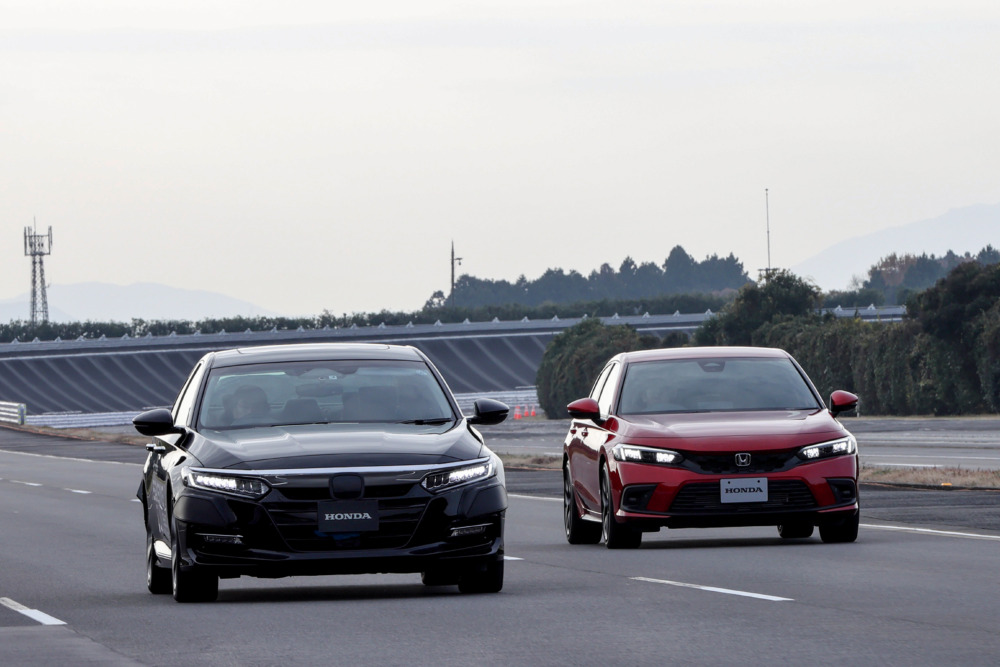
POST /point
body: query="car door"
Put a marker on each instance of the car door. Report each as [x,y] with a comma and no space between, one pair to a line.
[592,437]
[165,452]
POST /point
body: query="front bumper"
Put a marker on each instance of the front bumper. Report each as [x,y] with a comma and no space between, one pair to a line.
[651,497]
[278,536]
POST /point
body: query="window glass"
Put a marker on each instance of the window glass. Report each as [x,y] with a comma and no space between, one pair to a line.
[596,391]
[185,402]
[715,384]
[333,391]
[608,391]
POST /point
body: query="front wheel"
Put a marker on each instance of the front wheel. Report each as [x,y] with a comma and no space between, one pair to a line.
[842,531]
[157,577]
[486,579]
[189,584]
[615,535]
[578,531]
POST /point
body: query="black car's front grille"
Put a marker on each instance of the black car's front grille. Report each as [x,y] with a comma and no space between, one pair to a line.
[705,498]
[725,464]
[297,520]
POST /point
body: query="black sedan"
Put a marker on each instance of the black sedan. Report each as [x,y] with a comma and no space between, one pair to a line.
[320,459]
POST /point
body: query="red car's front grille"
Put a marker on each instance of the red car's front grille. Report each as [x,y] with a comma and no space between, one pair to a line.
[704,498]
[725,464]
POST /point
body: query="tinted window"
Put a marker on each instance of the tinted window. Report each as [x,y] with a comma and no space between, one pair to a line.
[596,391]
[707,385]
[608,391]
[188,396]
[305,392]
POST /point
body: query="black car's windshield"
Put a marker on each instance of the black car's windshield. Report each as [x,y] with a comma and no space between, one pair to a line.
[303,392]
[714,384]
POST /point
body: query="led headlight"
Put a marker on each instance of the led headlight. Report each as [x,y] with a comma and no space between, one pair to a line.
[448,479]
[825,450]
[636,454]
[244,487]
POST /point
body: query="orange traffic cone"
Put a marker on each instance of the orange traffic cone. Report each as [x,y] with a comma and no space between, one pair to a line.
[532,410]
[517,412]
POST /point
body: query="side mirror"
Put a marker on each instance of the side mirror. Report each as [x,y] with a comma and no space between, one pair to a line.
[489,412]
[155,422]
[585,408]
[842,401]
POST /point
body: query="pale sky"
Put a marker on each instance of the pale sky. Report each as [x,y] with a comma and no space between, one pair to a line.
[323,155]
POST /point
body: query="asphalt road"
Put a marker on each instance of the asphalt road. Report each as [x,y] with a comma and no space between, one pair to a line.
[913,590]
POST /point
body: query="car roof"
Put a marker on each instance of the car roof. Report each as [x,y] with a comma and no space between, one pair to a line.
[664,354]
[314,352]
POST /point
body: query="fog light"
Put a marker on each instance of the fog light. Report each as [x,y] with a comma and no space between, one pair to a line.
[464,531]
[221,539]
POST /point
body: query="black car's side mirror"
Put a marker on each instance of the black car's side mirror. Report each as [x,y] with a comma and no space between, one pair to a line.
[489,412]
[842,401]
[585,408]
[156,422]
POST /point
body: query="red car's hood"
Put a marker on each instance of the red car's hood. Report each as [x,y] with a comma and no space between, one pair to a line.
[721,431]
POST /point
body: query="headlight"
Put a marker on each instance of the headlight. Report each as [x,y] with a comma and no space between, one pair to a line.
[825,450]
[637,454]
[448,479]
[244,487]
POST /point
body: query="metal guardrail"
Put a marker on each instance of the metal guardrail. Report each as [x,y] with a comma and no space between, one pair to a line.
[12,413]
[523,398]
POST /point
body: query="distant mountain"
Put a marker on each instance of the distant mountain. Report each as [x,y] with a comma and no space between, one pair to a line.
[103,302]
[962,230]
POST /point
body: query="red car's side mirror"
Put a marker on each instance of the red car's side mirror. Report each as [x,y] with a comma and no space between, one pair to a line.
[842,401]
[585,408]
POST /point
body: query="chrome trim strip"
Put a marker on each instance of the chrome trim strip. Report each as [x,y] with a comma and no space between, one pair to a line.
[303,472]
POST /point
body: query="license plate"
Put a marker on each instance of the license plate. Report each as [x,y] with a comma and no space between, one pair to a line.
[744,490]
[348,516]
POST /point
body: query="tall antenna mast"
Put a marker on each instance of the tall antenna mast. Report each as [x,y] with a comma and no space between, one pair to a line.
[767,215]
[454,261]
[37,246]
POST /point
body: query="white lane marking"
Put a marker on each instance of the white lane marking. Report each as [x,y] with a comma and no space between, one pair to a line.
[927,456]
[33,614]
[17,481]
[713,589]
[518,495]
[903,465]
[135,500]
[68,458]
[512,558]
[77,491]
[930,531]
[884,526]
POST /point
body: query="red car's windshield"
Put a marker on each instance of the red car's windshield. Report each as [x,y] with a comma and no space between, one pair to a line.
[714,384]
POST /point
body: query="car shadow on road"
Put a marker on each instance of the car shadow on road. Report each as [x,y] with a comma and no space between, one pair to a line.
[345,593]
[728,542]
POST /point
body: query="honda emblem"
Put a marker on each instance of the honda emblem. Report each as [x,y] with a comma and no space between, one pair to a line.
[743,459]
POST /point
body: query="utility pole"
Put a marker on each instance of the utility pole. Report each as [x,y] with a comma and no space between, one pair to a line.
[454,261]
[37,246]
[768,272]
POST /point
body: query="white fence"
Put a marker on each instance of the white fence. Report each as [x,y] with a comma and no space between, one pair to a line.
[522,397]
[12,413]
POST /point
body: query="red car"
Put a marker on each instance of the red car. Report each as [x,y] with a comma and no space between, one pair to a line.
[702,437]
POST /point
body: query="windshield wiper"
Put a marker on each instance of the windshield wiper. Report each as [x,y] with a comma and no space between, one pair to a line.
[434,421]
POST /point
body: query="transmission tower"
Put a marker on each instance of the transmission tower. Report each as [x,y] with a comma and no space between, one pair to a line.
[37,246]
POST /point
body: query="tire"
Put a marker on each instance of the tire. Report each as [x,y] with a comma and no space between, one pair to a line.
[614,534]
[439,578]
[842,531]
[157,577]
[791,531]
[487,579]
[578,530]
[189,584]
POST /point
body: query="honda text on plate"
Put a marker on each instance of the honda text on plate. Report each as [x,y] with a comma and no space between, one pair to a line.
[702,437]
[320,459]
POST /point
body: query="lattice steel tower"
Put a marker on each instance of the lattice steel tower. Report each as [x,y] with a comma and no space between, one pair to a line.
[37,246]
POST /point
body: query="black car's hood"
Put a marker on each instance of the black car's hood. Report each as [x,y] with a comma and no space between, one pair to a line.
[335,445]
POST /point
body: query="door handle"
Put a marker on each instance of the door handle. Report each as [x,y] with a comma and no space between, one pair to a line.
[153,447]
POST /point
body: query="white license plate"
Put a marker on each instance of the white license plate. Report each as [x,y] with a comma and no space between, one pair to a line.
[743,490]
